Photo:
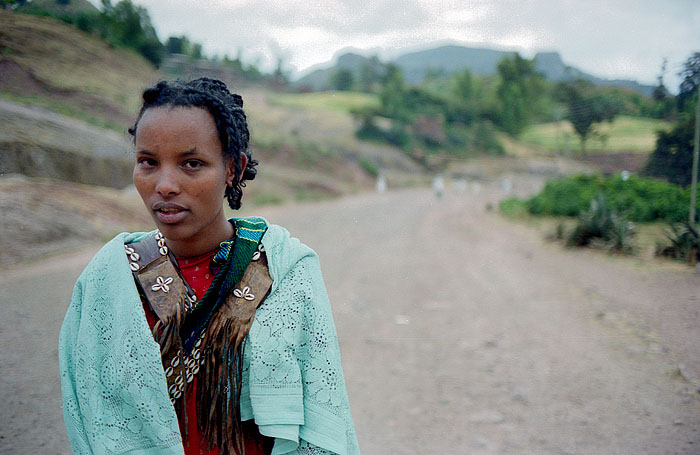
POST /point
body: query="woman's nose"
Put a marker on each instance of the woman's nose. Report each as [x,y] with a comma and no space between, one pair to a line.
[167,184]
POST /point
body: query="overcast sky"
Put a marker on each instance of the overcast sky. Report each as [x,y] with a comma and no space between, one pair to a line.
[612,39]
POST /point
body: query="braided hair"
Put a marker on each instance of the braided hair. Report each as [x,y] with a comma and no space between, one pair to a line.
[227,110]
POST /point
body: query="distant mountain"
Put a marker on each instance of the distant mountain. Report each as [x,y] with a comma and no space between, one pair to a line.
[449,59]
[452,59]
[320,79]
[553,68]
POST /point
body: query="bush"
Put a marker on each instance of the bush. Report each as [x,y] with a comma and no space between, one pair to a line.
[640,199]
[565,196]
[370,167]
[396,135]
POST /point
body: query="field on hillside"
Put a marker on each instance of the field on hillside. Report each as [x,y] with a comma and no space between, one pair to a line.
[335,101]
[624,135]
[317,128]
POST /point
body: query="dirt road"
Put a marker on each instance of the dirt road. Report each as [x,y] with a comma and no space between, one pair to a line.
[461,333]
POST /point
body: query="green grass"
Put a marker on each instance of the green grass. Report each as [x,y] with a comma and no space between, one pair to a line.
[624,134]
[64,108]
[513,207]
[343,102]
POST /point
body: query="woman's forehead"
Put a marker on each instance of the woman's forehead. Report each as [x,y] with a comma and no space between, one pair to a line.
[166,123]
[180,115]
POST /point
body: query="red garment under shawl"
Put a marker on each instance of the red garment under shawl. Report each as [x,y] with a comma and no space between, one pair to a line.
[198,275]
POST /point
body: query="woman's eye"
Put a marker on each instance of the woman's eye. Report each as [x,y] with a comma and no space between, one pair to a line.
[146,162]
[192,164]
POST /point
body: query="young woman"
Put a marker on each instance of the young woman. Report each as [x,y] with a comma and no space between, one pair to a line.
[207,336]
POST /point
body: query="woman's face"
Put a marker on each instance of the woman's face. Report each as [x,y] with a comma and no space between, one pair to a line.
[181,175]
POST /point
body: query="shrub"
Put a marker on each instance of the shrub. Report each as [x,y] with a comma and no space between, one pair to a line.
[685,243]
[640,199]
[370,167]
[566,196]
[600,226]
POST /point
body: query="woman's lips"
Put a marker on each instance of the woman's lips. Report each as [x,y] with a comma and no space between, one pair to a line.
[169,213]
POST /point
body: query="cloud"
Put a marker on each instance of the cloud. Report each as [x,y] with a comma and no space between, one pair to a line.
[624,38]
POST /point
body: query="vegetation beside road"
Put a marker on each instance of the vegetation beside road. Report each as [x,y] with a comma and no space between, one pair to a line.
[607,212]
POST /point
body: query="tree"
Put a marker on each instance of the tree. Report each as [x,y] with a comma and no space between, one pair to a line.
[691,79]
[691,86]
[393,94]
[519,90]
[342,79]
[664,103]
[12,3]
[370,74]
[672,157]
[196,51]
[129,25]
[586,107]
[177,45]
[463,104]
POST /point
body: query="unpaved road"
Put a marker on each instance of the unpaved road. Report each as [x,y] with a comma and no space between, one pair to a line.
[461,333]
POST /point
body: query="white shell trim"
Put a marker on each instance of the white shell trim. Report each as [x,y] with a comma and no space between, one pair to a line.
[244,293]
[162,284]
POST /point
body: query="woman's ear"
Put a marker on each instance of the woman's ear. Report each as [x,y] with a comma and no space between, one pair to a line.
[231,169]
[244,163]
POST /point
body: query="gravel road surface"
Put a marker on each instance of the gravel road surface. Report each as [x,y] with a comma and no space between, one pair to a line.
[461,333]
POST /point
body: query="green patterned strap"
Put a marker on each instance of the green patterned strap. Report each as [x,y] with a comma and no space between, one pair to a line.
[233,257]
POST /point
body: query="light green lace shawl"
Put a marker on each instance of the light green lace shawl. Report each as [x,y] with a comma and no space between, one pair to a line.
[114,390]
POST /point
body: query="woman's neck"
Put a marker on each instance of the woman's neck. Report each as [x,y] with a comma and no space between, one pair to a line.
[202,243]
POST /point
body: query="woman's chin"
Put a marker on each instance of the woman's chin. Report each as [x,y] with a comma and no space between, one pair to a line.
[171,231]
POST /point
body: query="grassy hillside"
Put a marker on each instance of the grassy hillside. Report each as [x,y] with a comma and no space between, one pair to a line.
[49,63]
[315,129]
[624,134]
[343,102]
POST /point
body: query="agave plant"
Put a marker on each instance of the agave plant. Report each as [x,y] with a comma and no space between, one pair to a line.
[602,227]
[620,234]
[685,242]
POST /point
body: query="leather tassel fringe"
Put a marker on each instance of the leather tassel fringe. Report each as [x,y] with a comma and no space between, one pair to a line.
[166,332]
[220,386]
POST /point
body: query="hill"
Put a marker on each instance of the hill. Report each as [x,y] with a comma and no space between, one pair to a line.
[77,84]
[453,59]
[47,62]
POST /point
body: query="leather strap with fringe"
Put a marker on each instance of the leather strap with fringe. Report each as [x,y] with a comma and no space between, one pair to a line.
[215,356]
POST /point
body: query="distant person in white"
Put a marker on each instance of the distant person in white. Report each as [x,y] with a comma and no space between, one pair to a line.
[381,184]
[439,185]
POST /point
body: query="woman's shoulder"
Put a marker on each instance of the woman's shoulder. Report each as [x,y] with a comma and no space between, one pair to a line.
[283,250]
[113,251]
